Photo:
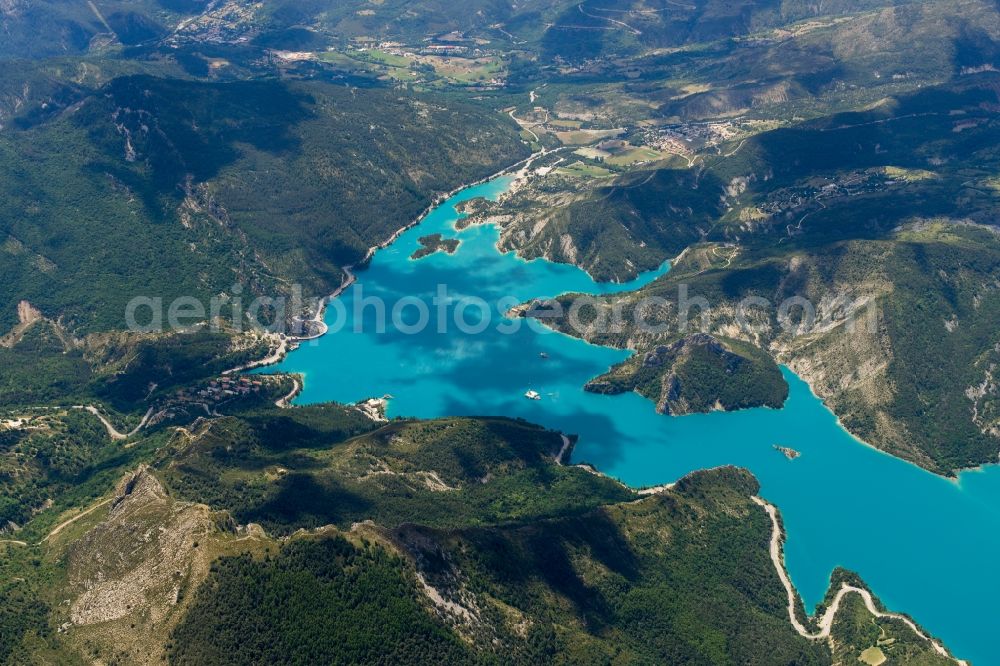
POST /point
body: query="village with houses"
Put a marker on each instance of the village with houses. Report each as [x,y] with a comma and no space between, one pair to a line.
[222,389]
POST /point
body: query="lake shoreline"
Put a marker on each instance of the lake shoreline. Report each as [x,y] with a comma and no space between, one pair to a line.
[435,375]
[350,277]
[288,343]
[826,620]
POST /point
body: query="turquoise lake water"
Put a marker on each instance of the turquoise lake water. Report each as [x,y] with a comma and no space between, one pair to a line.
[926,545]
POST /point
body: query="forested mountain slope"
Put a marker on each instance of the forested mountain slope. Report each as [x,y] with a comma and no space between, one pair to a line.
[578,29]
[154,509]
[517,571]
[892,208]
[168,187]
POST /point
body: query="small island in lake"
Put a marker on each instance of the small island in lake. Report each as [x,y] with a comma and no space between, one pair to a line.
[791,454]
[435,243]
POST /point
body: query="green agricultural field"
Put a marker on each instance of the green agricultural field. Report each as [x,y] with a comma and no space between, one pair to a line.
[565,124]
[584,170]
[634,155]
[585,137]
[381,57]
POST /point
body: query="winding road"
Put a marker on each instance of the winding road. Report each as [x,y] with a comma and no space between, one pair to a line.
[826,620]
[523,124]
[113,433]
[285,402]
[561,456]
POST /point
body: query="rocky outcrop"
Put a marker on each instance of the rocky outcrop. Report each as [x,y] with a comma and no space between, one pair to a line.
[130,575]
[27,316]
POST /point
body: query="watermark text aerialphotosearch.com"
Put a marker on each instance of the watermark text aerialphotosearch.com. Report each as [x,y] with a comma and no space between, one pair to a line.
[445,312]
